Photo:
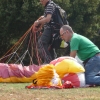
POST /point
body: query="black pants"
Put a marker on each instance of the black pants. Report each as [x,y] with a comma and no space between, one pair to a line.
[46,52]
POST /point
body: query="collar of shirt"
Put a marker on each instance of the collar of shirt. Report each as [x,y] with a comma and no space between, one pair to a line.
[47,3]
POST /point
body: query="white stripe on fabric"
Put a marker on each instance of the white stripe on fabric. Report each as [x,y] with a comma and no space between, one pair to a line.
[81,77]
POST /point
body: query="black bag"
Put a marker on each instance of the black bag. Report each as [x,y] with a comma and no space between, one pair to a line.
[59,19]
[62,16]
[56,40]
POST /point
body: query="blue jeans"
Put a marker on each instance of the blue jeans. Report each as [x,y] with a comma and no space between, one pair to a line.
[92,71]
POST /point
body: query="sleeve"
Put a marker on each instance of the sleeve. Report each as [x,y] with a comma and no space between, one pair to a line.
[50,9]
[74,44]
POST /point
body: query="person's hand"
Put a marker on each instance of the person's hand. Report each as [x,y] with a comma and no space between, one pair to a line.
[36,24]
[35,27]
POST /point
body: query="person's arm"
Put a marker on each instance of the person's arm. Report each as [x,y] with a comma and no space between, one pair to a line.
[43,20]
[73,54]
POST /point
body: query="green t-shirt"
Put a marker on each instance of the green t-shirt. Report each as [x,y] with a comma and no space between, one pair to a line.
[85,48]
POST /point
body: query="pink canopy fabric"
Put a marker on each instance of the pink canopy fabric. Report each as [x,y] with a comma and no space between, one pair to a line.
[17,73]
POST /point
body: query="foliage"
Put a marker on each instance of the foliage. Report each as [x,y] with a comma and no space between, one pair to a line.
[16,16]
[84,17]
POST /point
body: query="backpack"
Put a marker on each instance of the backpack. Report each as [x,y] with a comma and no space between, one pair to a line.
[59,19]
[59,16]
[62,16]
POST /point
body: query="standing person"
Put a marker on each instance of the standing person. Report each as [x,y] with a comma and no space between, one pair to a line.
[86,50]
[48,20]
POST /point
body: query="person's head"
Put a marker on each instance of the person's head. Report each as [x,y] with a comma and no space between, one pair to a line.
[66,33]
[43,2]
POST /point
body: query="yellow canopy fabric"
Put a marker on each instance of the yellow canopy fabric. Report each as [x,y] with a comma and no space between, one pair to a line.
[65,66]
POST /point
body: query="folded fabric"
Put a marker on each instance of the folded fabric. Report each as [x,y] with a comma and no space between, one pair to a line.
[64,65]
[17,72]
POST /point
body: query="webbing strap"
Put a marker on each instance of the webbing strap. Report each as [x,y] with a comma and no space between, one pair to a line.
[22,57]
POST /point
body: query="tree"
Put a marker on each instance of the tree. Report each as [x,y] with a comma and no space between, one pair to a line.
[84,17]
[16,16]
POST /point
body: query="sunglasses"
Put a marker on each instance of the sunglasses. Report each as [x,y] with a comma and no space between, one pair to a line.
[63,33]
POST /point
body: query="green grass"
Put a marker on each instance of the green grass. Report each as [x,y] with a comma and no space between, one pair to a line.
[17,91]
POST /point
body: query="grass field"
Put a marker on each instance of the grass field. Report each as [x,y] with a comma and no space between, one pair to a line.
[17,91]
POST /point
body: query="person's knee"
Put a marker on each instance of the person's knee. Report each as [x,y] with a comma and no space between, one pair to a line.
[92,80]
